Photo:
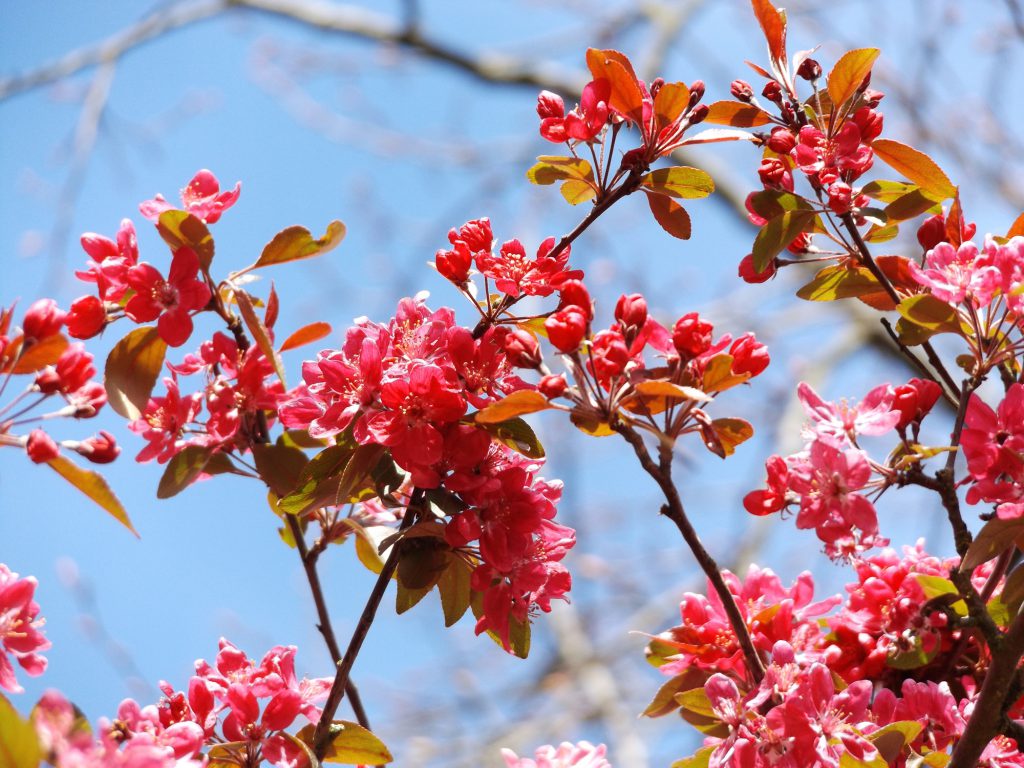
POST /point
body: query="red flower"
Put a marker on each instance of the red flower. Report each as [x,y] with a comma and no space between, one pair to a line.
[86,317]
[19,628]
[171,300]
[566,328]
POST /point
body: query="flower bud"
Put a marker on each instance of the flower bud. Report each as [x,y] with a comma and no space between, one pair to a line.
[809,70]
[454,265]
[870,123]
[74,368]
[691,335]
[696,91]
[631,311]
[476,234]
[749,275]
[748,355]
[566,328]
[99,449]
[609,354]
[741,91]
[86,317]
[914,400]
[42,320]
[550,105]
[575,293]
[782,141]
[552,386]
[772,172]
[40,447]
[698,114]
[522,348]
[772,91]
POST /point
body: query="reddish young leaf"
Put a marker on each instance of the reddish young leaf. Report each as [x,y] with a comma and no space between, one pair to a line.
[849,72]
[916,166]
[994,537]
[773,24]
[179,228]
[517,404]
[307,334]
[626,97]
[672,217]
[736,114]
[132,368]
[1017,228]
[93,485]
[955,221]
[273,307]
[296,243]
[259,331]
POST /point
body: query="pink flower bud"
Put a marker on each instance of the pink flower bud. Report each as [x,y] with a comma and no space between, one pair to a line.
[698,114]
[741,90]
[43,319]
[552,386]
[476,234]
[914,400]
[749,275]
[550,105]
[575,293]
[696,91]
[86,317]
[566,328]
[773,172]
[454,264]
[100,449]
[772,91]
[809,70]
[691,335]
[748,355]
[781,141]
[74,368]
[869,122]
[522,348]
[631,311]
[40,447]
[609,354]
[47,380]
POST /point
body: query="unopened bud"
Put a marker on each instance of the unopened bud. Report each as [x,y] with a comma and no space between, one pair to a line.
[741,91]
[699,113]
[552,386]
[655,86]
[522,348]
[809,70]
[40,447]
[696,91]
[782,141]
[772,91]
[100,449]
[550,105]
[42,320]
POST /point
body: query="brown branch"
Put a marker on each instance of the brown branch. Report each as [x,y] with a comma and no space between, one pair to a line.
[674,511]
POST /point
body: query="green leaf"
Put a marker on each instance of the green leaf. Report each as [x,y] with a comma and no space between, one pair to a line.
[832,283]
[887,191]
[19,744]
[93,485]
[911,205]
[770,203]
[679,181]
[296,243]
[916,166]
[517,435]
[993,538]
[132,369]
[665,702]
[777,234]
[552,168]
[914,657]
[259,332]
[849,72]
[350,744]
[890,739]
[317,484]
[516,404]
[179,228]
[1013,591]
[736,114]
[671,216]
[182,470]
[454,588]
[279,466]
[936,586]
[696,701]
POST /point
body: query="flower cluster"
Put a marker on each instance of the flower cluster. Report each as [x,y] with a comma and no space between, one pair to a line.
[20,634]
[407,386]
[58,370]
[993,443]
[236,707]
[831,684]
[580,755]
[831,476]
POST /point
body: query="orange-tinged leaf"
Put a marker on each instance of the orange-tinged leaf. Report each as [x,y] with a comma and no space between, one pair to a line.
[183,469]
[954,222]
[626,97]
[777,234]
[736,114]
[93,485]
[1017,228]
[731,432]
[916,166]
[673,391]
[296,243]
[517,404]
[911,205]
[588,421]
[680,181]
[179,228]
[672,217]
[670,102]
[259,331]
[41,354]
[837,282]
[773,24]
[994,537]
[849,72]
[132,368]
[718,375]
[307,334]
[927,311]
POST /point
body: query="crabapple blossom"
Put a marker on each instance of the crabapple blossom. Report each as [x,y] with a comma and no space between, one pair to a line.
[21,637]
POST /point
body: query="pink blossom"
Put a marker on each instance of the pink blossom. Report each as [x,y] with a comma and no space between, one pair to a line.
[580,755]
[513,273]
[164,421]
[171,300]
[202,198]
[843,421]
[957,274]
[20,628]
